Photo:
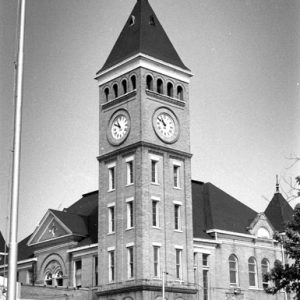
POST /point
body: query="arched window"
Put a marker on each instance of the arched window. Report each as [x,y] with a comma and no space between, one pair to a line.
[233,270]
[124,86]
[170,89]
[149,82]
[115,87]
[263,233]
[59,278]
[180,92]
[133,82]
[106,93]
[252,272]
[265,268]
[48,279]
[160,86]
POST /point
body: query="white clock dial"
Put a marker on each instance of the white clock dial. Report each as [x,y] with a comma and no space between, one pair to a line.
[119,127]
[165,125]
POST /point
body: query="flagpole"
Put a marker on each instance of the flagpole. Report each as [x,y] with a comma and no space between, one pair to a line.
[13,250]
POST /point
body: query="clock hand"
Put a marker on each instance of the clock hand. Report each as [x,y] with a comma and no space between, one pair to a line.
[118,125]
[162,120]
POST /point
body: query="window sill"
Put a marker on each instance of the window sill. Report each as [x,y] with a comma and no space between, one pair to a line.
[111,233]
[177,188]
[109,191]
[178,230]
[155,183]
[255,288]
[129,184]
[129,228]
[156,227]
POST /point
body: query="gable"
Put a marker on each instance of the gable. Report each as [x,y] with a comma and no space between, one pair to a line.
[261,227]
[49,228]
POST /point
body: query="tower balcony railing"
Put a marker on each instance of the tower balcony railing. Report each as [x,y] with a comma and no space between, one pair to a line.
[118,100]
[165,98]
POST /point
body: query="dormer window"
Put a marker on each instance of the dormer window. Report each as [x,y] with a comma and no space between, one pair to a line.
[132,20]
[152,21]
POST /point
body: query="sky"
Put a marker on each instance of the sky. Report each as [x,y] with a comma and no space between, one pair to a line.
[244,95]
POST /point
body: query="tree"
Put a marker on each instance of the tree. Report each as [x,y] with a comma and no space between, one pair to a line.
[286,276]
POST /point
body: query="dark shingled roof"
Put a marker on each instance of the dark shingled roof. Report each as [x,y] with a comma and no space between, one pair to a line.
[77,224]
[24,251]
[3,245]
[145,35]
[215,209]
[279,212]
[81,218]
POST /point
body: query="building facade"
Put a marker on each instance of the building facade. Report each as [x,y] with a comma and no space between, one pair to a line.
[150,230]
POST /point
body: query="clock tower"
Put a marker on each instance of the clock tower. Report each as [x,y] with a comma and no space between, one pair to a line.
[145,206]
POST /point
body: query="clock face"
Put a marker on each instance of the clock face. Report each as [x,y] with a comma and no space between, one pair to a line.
[118,127]
[166,125]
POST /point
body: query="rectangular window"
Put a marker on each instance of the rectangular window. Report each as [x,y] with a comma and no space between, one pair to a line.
[205,273]
[77,273]
[111,178]
[156,264]
[96,270]
[155,213]
[111,219]
[129,167]
[205,284]
[176,176]
[154,171]
[177,217]
[178,263]
[111,265]
[130,262]
[205,260]
[129,205]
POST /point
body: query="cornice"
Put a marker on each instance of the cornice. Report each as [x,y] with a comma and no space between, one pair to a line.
[143,145]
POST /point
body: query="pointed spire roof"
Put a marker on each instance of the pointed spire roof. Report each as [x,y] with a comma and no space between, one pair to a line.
[279,211]
[144,34]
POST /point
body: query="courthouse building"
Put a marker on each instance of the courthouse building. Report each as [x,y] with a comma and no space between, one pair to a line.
[149,220]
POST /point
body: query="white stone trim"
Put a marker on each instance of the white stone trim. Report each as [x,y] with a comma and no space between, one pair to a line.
[231,233]
[129,158]
[156,244]
[131,244]
[177,202]
[113,248]
[155,198]
[176,162]
[144,61]
[129,199]
[111,165]
[154,157]
[111,204]
[178,247]
[82,248]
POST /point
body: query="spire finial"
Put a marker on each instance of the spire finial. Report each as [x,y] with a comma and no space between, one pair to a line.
[277,184]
